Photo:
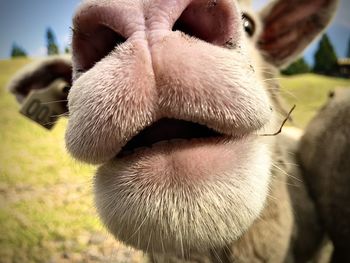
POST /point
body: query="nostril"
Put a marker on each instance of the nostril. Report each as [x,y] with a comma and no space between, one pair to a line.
[194,24]
[91,46]
[213,21]
[181,25]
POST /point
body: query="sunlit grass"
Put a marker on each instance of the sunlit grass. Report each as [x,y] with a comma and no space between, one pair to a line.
[45,196]
[309,92]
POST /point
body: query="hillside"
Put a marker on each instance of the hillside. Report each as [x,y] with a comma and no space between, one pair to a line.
[309,92]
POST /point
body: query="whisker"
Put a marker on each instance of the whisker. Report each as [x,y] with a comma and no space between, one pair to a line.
[137,230]
[52,102]
[270,79]
[149,241]
[77,31]
[66,114]
[216,255]
[286,173]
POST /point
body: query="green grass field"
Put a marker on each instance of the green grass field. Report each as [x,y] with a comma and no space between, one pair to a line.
[46,208]
[308,92]
[44,195]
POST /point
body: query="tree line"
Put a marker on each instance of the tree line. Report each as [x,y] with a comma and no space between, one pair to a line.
[51,46]
[325,60]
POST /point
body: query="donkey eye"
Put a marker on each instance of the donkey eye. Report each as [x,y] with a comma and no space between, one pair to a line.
[248,24]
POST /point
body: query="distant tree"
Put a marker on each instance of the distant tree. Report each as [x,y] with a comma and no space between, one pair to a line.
[348,51]
[325,57]
[67,50]
[298,67]
[52,48]
[17,51]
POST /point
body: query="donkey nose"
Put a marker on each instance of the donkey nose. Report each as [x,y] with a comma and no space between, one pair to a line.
[216,21]
[100,26]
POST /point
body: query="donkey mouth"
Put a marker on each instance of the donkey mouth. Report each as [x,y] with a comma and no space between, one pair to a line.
[167,131]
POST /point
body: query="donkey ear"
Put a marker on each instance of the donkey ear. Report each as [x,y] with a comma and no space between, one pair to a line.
[39,75]
[290,26]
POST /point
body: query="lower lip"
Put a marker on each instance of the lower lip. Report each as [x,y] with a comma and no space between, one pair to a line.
[191,159]
[182,171]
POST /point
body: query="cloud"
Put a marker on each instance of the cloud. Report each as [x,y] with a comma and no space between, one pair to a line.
[65,40]
[258,4]
[342,22]
[40,52]
[342,18]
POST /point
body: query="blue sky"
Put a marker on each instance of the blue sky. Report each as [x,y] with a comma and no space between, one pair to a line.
[25,21]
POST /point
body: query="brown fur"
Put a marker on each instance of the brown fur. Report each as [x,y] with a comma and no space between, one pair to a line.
[325,158]
[39,75]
